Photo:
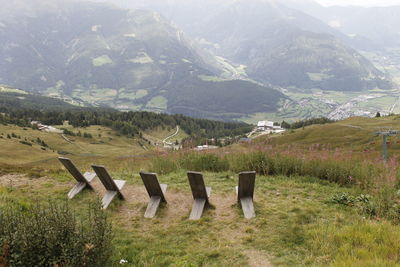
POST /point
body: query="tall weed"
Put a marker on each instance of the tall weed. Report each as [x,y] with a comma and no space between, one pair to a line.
[274,164]
[204,162]
[163,165]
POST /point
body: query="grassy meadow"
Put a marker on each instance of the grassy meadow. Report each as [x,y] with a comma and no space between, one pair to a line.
[319,200]
[104,146]
[357,134]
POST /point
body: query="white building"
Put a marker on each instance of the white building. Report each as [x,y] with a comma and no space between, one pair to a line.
[205,147]
[265,125]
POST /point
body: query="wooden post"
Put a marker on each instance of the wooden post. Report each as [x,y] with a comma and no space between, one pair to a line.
[385,134]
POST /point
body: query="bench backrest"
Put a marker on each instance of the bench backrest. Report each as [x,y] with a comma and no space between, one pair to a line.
[70,166]
[197,185]
[105,178]
[246,184]
[152,185]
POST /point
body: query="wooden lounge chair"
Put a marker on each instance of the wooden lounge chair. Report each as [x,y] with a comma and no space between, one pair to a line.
[200,192]
[83,180]
[245,193]
[156,193]
[112,186]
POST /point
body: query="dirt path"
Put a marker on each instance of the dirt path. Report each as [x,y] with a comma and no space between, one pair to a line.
[19,180]
[172,135]
[351,126]
[66,139]
[257,258]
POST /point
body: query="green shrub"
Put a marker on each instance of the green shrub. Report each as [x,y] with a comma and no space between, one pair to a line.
[339,171]
[68,132]
[363,202]
[334,171]
[25,143]
[51,235]
[204,162]
[343,199]
[288,166]
[257,161]
[163,165]
[87,135]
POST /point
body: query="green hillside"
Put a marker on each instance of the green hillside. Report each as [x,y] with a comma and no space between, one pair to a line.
[311,60]
[221,99]
[23,147]
[288,222]
[8,89]
[357,134]
[323,196]
[128,90]
[19,100]
[303,217]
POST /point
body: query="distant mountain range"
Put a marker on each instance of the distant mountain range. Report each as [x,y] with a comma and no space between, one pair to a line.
[130,60]
[376,26]
[217,59]
[279,45]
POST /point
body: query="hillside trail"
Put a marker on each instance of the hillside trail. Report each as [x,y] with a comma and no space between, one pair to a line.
[131,211]
[71,142]
[66,139]
[172,135]
[351,126]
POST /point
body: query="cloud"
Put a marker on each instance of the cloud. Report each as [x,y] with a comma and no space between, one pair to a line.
[366,3]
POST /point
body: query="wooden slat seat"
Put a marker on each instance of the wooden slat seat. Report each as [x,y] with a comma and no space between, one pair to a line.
[245,193]
[112,186]
[200,192]
[82,179]
[156,193]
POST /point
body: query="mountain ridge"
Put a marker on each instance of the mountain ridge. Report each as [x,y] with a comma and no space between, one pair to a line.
[246,32]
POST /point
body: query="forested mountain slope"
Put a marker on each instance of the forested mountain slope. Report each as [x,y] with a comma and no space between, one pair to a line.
[129,60]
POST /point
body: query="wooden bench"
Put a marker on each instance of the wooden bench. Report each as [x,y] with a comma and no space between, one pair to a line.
[112,186]
[245,193]
[83,180]
[156,193]
[200,192]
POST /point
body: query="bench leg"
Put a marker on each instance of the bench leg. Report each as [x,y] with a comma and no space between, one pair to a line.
[152,207]
[108,197]
[247,207]
[89,176]
[197,209]
[163,188]
[76,189]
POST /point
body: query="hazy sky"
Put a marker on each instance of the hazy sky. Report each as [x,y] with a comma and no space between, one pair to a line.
[360,2]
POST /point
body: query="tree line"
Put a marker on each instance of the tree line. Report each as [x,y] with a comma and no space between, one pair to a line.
[49,111]
[304,123]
